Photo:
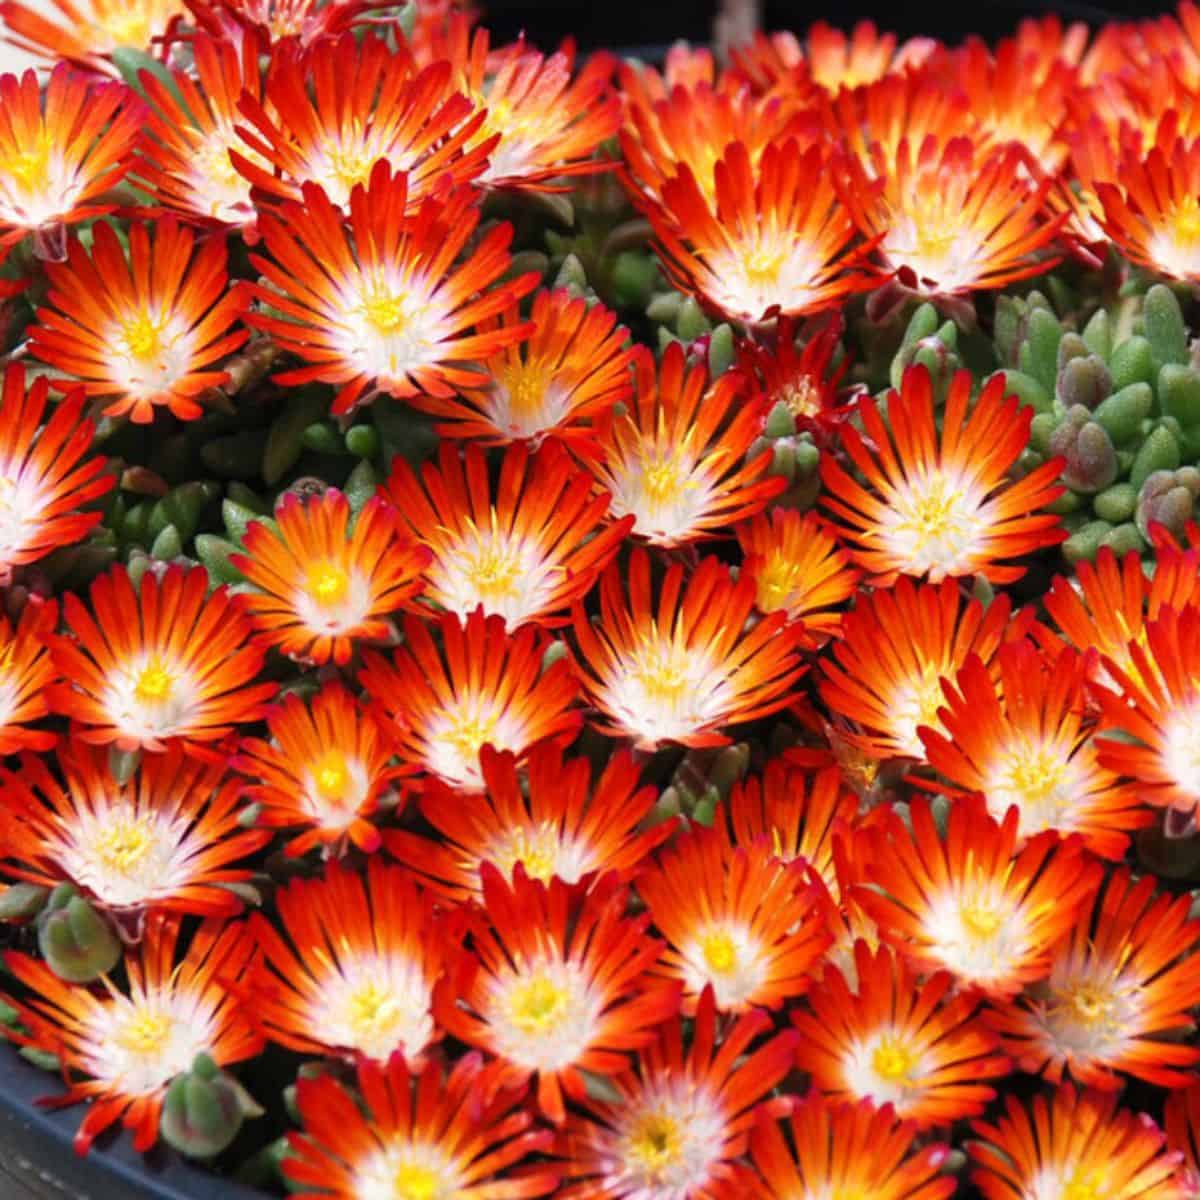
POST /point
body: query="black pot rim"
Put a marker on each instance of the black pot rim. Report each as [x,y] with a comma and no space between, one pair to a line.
[36,1150]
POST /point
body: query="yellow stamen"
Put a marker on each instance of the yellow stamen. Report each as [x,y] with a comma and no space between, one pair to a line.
[350,161]
[662,672]
[155,683]
[1187,222]
[471,732]
[893,1061]
[373,1011]
[535,849]
[493,565]
[776,582]
[980,918]
[332,776]
[660,476]
[1087,1183]
[802,396]
[763,265]
[144,1033]
[385,310]
[124,844]
[935,513]
[29,165]
[142,336]
[656,1142]
[525,383]
[1035,773]
[124,25]
[537,1005]
[413,1181]
[328,583]
[720,953]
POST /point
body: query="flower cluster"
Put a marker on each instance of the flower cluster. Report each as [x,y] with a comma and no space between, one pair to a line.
[590,629]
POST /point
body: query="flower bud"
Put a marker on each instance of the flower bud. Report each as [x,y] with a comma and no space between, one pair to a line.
[721,351]
[1038,355]
[1162,321]
[204,1109]
[1070,347]
[691,323]
[1166,500]
[1132,362]
[1091,460]
[781,422]
[77,943]
[1123,412]
[1083,380]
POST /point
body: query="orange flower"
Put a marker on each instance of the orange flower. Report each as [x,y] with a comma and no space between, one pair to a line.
[571,368]
[526,548]
[942,504]
[793,812]
[331,113]
[675,458]
[186,162]
[550,126]
[27,673]
[736,920]
[951,218]
[1159,711]
[1018,734]
[893,1040]
[682,1118]
[1082,1141]
[325,771]
[322,588]
[872,121]
[895,649]
[165,662]
[423,1134]
[88,31]
[146,331]
[1107,605]
[847,1150]
[775,240]
[554,986]
[970,903]
[693,126]
[61,151]
[551,819]
[799,568]
[130,1044]
[166,840]
[1120,988]
[351,968]
[682,671]
[378,306]
[1016,95]
[44,476]
[1153,213]
[484,687]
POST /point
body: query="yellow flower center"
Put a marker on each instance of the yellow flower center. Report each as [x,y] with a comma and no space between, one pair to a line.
[144,1032]
[525,383]
[494,567]
[980,918]
[416,1182]
[332,776]
[328,583]
[662,672]
[1035,773]
[142,336]
[893,1061]
[535,849]
[126,24]
[214,161]
[656,1142]
[1087,1183]
[720,953]
[763,265]
[537,1005]
[470,733]
[155,683]
[802,396]
[660,476]
[1089,1004]
[124,844]
[373,1011]
[776,582]
[936,512]
[28,166]
[1187,222]
[385,310]
[350,161]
